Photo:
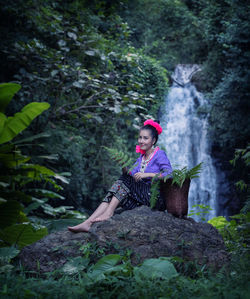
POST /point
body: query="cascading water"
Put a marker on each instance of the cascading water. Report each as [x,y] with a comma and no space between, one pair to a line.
[185,137]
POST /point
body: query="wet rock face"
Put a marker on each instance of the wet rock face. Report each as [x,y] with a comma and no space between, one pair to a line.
[149,234]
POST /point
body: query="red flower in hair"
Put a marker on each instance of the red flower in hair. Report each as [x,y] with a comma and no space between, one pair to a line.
[153,124]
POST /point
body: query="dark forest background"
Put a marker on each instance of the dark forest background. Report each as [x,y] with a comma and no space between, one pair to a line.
[104,67]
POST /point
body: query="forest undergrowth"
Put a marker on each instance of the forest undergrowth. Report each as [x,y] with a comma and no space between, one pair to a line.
[95,275]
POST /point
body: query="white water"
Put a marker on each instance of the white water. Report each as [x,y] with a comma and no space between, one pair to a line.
[185,138]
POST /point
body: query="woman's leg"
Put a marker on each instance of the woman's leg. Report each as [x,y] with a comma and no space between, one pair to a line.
[85,226]
[109,212]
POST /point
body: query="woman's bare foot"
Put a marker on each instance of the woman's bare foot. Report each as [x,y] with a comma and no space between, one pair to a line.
[82,227]
[105,216]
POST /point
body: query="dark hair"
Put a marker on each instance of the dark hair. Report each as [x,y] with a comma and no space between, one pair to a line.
[152,130]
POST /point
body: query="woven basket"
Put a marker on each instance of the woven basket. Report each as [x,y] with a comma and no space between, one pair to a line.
[176,198]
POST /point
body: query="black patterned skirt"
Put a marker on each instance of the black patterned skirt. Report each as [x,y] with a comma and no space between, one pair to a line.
[131,193]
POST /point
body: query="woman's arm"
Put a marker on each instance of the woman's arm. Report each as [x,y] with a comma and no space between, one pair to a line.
[140,175]
[164,164]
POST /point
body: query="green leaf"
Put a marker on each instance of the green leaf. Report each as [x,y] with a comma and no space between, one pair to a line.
[35,170]
[45,193]
[16,195]
[218,222]
[12,160]
[105,264]
[3,120]
[8,253]
[10,213]
[7,91]
[90,53]
[156,268]
[32,138]
[4,185]
[61,178]
[22,234]
[75,265]
[34,205]
[21,120]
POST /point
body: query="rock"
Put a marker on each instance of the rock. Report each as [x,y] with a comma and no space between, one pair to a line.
[149,234]
[201,82]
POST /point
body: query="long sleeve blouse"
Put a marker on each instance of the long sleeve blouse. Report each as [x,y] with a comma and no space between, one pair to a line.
[158,163]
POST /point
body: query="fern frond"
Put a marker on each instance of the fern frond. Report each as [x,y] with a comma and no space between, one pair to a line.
[167,177]
[180,175]
[155,191]
[119,157]
[129,162]
[193,172]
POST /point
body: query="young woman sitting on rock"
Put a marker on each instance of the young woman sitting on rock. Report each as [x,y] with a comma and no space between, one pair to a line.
[133,189]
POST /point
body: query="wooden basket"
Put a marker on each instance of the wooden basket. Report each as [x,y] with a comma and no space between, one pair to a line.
[176,198]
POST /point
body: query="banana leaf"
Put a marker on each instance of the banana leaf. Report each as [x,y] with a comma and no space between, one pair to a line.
[21,120]
[7,91]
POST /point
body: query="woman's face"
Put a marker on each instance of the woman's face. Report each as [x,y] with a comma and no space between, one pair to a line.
[145,140]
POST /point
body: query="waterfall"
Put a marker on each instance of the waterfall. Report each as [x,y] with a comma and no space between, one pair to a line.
[185,139]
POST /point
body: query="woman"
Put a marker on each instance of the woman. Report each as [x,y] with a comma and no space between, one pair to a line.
[133,189]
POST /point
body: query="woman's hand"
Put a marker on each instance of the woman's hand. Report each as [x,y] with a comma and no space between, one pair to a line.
[139,176]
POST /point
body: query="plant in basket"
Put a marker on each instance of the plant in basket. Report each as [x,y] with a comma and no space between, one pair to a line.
[174,189]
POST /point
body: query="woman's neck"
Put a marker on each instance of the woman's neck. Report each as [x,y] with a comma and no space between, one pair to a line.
[149,152]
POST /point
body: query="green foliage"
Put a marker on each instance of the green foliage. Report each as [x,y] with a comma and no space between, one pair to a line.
[106,279]
[12,126]
[75,265]
[203,210]
[103,267]
[227,33]
[235,233]
[6,255]
[121,158]
[154,191]
[16,174]
[243,155]
[22,234]
[7,92]
[241,163]
[180,175]
[156,268]
[166,30]
[80,56]
[99,87]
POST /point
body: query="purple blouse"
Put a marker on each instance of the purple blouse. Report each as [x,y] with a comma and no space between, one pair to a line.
[158,163]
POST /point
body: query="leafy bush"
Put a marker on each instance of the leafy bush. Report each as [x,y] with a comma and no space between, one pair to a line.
[99,87]
[16,197]
[235,232]
[113,276]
